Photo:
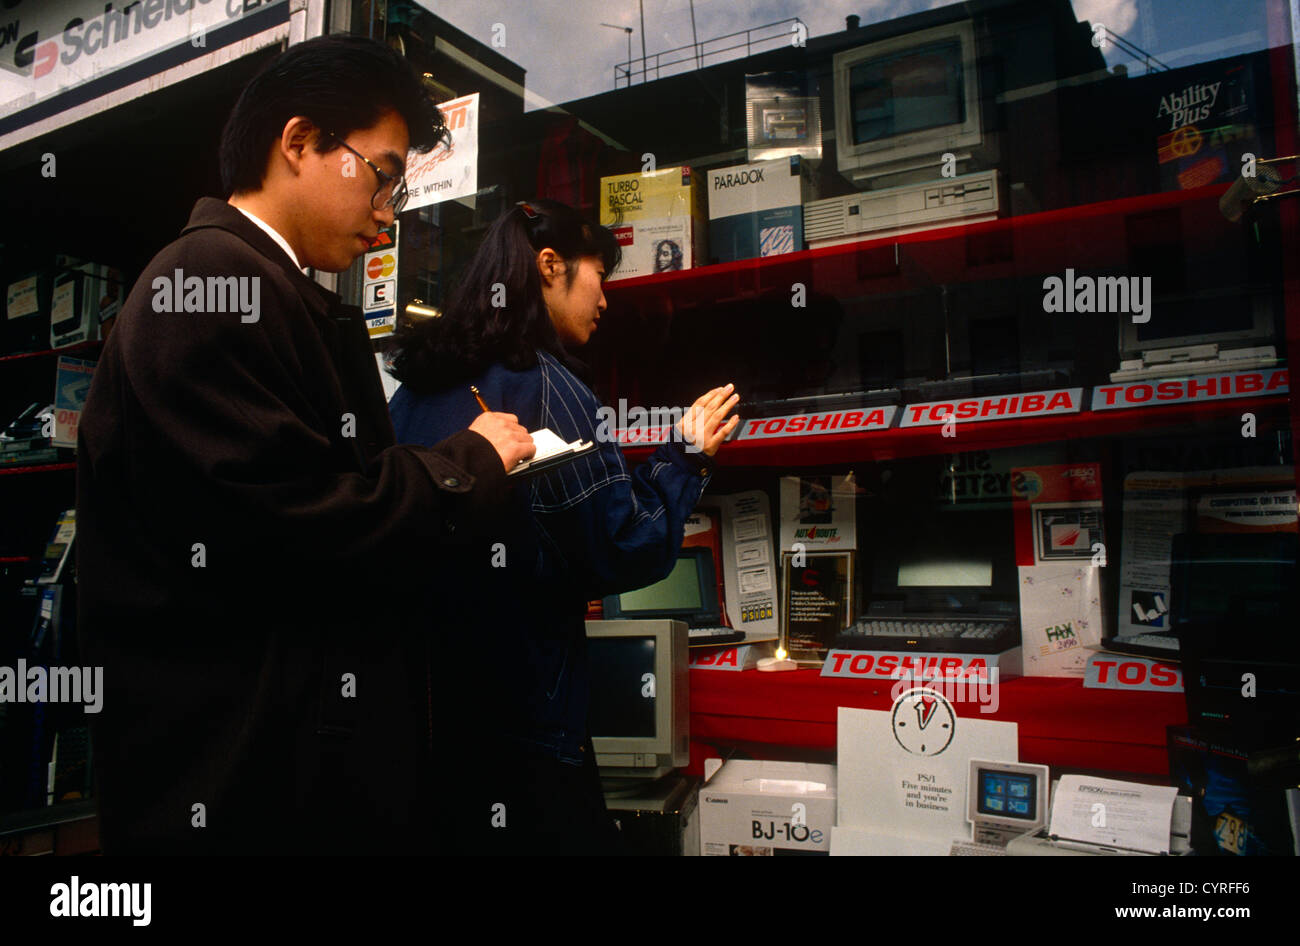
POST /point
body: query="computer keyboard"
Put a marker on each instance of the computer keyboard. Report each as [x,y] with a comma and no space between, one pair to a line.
[911,628]
[1163,641]
[978,635]
[1167,641]
[714,635]
[967,848]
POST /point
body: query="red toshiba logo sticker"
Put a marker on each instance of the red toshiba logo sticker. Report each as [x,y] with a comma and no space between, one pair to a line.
[1111,672]
[1111,397]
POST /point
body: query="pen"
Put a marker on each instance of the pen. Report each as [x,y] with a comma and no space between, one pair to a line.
[479,398]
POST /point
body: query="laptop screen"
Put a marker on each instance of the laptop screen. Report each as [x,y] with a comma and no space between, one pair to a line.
[688,593]
[940,569]
[679,591]
[951,559]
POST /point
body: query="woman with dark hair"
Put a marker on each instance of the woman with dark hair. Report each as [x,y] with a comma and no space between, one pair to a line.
[520,748]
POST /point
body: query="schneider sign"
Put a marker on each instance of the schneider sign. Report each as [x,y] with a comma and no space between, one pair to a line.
[48,47]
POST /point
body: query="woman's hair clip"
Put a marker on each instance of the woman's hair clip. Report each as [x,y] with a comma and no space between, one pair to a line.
[529,212]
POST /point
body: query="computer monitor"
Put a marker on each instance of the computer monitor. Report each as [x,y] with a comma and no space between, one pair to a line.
[640,697]
[1234,607]
[1005,799]
[1226,322]
[689,593]
[903,102]
[1242,581]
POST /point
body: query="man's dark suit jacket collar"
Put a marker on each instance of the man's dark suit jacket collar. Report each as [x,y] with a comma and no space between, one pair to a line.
[211,212]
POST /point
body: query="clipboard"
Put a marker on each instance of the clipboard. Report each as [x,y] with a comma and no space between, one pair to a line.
[552,452]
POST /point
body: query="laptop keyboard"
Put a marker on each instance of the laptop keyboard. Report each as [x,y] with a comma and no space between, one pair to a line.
[704,635]
[1163,641]
[911,628]
[931,633]
[967,848]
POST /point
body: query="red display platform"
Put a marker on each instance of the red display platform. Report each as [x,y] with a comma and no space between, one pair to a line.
[1062,724]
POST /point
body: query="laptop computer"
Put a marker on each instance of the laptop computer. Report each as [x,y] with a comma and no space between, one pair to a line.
[1203,561]
[944,582]
[688,593]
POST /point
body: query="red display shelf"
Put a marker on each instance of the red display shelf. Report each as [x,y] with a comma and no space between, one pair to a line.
[83,346]
[898,442]
[39,468]
[1060,723]
[14,559]
[1087,235]
[722,280]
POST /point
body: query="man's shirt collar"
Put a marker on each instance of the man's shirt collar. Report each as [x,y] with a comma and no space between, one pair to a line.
[274,234]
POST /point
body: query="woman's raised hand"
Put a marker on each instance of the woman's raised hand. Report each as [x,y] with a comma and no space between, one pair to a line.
[703,424]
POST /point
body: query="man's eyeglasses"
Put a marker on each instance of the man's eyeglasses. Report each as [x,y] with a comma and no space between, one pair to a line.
[392,191]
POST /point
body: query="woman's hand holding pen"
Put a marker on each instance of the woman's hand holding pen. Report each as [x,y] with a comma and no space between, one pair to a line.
[703,424]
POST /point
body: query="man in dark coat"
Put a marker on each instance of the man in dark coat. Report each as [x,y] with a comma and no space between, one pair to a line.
[255,555]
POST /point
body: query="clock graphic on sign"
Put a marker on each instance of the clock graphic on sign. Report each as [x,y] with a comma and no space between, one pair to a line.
[923,721]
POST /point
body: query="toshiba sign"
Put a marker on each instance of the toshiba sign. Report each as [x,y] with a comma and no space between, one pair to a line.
[1111,397]
[822,422]
[993,407]
[1113,672]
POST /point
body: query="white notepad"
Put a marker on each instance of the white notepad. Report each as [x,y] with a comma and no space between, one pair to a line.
[552,451]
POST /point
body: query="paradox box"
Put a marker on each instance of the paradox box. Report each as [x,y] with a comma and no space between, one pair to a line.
[756,210]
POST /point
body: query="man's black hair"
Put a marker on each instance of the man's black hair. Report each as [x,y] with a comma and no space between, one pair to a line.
[342,83]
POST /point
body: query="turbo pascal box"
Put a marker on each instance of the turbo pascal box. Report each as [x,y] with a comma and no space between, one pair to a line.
[658,219]
[766,809]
